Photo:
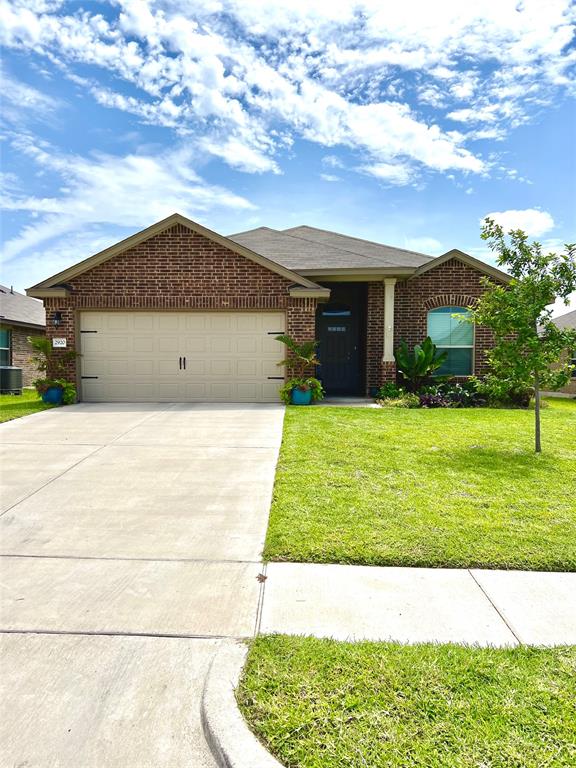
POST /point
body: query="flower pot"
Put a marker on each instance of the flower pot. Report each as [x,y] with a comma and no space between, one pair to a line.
[53,396]
[301,396]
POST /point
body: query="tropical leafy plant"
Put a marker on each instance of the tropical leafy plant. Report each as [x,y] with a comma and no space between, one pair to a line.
[301,357]
[303,384]
[419,365]
[45,358]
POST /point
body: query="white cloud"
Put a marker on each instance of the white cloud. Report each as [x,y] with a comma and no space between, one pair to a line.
[329,177]
[133,191]
[394,174]
[428,245]
[325,72]
[530,220]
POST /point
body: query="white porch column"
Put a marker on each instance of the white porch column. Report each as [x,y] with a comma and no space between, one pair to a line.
[389,283]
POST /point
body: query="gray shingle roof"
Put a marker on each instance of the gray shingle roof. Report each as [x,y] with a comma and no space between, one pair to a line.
[308,248]
[20,309]
[566,321]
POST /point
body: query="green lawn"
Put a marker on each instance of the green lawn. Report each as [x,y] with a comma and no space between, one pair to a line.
[14,406]
[443,487]
[325,704]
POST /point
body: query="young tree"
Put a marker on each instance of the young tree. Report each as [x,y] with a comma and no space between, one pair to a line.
[528,347]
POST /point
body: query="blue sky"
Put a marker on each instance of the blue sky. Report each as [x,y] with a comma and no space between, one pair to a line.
[404,123]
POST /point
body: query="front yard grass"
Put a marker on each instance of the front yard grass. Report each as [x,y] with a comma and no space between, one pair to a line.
[326,704]
[442,487]
[14,406]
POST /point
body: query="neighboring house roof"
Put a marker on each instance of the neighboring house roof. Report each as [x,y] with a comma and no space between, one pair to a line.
[56,285]
[566,321]
[18,309]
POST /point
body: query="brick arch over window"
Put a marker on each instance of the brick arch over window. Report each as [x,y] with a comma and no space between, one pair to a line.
[450,300]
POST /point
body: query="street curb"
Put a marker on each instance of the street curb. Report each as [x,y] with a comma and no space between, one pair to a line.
[231,742]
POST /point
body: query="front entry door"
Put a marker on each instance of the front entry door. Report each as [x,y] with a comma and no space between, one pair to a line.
[339,351]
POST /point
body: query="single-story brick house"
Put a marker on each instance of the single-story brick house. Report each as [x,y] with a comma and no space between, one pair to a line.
[178,312]
[569,321]
[20,317]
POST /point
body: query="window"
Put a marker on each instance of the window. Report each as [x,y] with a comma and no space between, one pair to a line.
[4,347]
[453,336]
[573,361]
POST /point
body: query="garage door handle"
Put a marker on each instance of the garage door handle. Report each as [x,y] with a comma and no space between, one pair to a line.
[180,359]
[184,363]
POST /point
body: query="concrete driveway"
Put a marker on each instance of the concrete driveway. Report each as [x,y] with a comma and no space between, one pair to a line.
[130,540]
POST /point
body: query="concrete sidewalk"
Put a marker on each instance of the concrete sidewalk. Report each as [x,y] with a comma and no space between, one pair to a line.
[416,605]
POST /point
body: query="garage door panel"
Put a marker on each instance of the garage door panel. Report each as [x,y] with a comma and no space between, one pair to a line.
[135,356]
[247,344]
[221,368]
[194,344]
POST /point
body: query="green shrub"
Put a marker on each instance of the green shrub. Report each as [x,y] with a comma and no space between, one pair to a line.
[389,390]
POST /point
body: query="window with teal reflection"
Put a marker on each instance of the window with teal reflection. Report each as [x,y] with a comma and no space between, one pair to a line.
[454,336]
[4,346]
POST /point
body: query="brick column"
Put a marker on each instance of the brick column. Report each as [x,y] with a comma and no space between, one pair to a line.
[66,330]
[301,322]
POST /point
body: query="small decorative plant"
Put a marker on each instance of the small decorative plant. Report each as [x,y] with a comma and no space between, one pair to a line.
[66,391]
[303,385]
[301,389]
[389,390]
[53,389]
[418,366]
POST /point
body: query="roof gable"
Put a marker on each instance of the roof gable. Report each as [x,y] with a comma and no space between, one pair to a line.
[470,261]
[54,284]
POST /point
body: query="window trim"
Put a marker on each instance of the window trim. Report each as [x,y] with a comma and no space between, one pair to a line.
[455,346]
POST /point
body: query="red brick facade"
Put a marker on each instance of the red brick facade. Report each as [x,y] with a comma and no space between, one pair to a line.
[452,283]
[179,270]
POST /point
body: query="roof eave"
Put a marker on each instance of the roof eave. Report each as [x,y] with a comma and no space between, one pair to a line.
[22,323]
[300,292]
[48,292]
[371,273]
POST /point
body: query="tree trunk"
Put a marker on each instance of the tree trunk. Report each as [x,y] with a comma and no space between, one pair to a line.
[537,443]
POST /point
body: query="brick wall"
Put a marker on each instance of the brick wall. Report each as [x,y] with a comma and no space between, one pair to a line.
[179,270]
[22,351]
[450,284]
[374,335]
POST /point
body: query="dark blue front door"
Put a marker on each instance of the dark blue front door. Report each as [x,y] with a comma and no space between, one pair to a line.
[339,328]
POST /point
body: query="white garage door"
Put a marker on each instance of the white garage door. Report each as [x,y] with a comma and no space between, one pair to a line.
[181,356]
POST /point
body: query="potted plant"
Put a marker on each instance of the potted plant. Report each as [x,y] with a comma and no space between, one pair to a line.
[54,390]
[301,389]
